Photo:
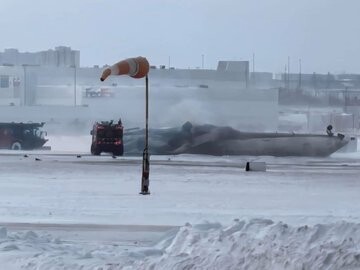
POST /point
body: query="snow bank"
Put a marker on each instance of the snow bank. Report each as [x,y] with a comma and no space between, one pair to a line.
[259,244]
[246,244]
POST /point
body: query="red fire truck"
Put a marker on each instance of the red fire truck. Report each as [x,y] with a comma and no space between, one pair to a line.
[107,137]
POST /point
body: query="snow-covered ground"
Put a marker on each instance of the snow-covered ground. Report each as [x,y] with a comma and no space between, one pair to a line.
[59,210]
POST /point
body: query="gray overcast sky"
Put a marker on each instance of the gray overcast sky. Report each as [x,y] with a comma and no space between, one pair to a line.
[323,33]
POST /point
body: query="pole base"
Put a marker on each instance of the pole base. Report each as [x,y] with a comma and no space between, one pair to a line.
[145,173]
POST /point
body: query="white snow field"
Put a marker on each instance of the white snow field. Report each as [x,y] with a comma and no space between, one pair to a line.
[59,210]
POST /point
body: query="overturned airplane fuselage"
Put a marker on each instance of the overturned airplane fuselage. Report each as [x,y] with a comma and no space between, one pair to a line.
[219,141]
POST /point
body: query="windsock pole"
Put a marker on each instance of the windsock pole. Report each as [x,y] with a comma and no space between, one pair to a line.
[146,157]
[136,68]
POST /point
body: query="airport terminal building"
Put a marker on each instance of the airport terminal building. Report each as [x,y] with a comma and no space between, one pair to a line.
[53,80]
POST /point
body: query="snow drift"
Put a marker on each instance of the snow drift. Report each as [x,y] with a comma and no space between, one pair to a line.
[246,244]
[259,244]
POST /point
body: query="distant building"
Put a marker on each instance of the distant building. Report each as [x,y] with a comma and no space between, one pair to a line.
[233,66]
[60,57]
[307,81]
[240,68]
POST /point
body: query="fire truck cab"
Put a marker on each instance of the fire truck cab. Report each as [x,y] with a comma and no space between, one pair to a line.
[107,137]
[22,136]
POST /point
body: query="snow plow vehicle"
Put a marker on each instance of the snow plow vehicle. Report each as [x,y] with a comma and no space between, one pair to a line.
[22,136]
[107,137]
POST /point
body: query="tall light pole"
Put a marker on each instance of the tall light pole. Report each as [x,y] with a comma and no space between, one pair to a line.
[300,73]
[25,85]
[74,66]
[253,71]
[289,81]
[136,68]
[29,94]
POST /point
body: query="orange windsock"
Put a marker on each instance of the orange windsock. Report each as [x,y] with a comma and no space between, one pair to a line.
[134,67]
